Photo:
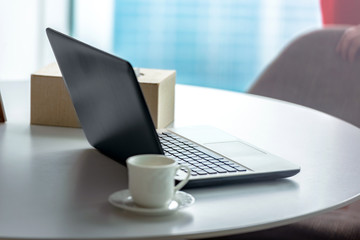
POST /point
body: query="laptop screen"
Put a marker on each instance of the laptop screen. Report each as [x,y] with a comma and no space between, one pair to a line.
[107,98]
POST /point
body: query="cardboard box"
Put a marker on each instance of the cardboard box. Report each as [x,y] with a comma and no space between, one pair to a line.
[51,104]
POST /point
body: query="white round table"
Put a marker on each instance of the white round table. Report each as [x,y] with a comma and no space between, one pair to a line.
[54,185]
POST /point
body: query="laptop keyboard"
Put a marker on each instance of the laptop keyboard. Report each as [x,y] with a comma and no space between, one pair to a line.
[200,160]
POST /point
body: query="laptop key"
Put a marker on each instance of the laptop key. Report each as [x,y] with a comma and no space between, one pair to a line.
[220,170]
[215,161]
[201,172]
[210,171]
[211,165]
[227,162]
[228,168]
[239,168]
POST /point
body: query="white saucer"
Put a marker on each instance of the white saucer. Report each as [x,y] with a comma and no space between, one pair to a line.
[122,199]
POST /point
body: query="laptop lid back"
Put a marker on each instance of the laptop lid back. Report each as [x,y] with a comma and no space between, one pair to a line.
[107,98]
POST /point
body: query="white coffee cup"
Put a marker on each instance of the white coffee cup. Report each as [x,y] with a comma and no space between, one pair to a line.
[152,179]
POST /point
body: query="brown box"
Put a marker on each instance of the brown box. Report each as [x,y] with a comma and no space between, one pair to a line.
[51,103]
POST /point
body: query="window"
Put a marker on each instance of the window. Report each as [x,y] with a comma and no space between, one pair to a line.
[23,44]
[220,43]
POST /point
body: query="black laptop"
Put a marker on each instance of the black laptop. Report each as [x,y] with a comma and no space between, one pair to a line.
[116,121]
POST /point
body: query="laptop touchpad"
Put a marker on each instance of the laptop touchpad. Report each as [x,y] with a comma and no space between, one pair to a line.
[233,149]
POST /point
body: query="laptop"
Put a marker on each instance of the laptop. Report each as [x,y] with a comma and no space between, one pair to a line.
[116,121]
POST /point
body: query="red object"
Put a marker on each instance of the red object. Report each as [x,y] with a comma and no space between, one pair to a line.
[340,12]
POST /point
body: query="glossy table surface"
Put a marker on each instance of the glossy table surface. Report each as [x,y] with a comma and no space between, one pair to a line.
[54,185]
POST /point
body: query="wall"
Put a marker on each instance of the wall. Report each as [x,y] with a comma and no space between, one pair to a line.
[23,43]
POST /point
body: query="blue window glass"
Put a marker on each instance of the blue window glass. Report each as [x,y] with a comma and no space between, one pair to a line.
[222,44]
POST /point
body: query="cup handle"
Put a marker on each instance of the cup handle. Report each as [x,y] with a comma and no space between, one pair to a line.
[184,181]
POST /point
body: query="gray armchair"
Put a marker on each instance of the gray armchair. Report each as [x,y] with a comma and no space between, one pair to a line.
[310,73]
